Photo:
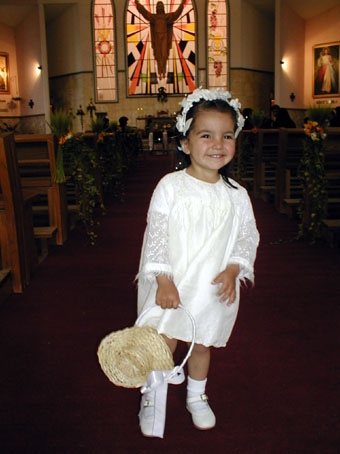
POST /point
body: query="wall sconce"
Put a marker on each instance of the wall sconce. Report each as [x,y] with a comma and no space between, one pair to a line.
[40,67]
[283,64]
[292,97]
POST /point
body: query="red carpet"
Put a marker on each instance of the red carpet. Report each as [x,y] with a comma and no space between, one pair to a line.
[274,389]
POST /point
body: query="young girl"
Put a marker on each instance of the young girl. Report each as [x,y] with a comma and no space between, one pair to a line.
[200,242]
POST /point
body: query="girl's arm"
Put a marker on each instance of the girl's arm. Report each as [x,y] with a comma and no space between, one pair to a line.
[227,280]
[155,260]
[241,262]
[155,263]
[244,251]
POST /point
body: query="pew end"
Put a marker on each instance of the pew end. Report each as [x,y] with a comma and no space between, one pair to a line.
[44,236]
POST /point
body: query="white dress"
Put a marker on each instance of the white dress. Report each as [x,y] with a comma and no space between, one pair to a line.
[194,230]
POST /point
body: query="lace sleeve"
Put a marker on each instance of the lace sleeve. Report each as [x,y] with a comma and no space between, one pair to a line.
[155,254]
[244,252]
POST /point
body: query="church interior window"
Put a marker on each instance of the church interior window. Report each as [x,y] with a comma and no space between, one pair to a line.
[104,51]
[218,51]
[147,71]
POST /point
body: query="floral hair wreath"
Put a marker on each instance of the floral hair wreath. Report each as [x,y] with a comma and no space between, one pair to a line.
[182,124]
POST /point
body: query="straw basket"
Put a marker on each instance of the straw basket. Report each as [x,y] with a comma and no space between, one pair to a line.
[129,355]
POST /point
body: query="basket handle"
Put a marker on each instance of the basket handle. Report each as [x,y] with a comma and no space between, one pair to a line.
[176,369]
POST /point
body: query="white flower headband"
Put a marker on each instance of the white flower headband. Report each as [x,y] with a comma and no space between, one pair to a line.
[182,124]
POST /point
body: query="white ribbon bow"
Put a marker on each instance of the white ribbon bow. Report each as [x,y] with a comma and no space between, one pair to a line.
[158,381]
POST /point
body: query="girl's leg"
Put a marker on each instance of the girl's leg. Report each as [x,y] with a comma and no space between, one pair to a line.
[197,402]
[199,362]
[172,343]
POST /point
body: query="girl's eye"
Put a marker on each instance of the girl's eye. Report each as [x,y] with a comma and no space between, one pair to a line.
[205,136]
[229,136]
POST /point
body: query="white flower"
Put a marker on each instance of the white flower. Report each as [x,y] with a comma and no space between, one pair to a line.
[183,125]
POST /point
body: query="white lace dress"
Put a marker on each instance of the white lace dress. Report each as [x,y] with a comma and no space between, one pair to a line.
[194,230]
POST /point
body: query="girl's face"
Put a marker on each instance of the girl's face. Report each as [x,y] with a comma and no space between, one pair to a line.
[210,144]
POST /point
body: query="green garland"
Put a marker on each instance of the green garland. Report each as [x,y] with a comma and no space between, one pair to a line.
[118,153]
[312,208]
[81,162]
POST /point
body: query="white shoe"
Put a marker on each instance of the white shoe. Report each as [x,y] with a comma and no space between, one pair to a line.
[147,414]
[203,417]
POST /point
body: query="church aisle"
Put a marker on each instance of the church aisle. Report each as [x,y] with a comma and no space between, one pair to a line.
[273,388]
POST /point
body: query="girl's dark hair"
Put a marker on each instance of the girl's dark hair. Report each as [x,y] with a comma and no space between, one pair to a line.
[217,105]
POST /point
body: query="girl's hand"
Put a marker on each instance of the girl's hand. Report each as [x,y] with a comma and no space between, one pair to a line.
[227,279]
[167,295]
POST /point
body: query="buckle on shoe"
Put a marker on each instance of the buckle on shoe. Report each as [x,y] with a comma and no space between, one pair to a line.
[148,403]
[204,397]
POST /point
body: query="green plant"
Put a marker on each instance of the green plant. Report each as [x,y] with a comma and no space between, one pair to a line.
[321,115]
[61,125]
[98,125]
[81,162]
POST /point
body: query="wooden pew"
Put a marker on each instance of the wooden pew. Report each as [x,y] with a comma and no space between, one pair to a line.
[332,170]
[266,154]
[288,184]
[289,187]
[243,165]
[36,154]
[16,227]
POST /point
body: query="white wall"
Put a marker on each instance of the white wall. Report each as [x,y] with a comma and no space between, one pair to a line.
[64,45]
[28,49]
[257,39]
[290,37]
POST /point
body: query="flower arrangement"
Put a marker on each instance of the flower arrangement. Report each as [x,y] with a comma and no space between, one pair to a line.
[314,131]
[312,207]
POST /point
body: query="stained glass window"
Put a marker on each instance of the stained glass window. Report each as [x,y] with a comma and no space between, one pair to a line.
[218,50]
[104,51]
[145,75]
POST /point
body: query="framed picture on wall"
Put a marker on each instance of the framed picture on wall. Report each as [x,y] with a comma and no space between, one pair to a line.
[4,76]
[326,72]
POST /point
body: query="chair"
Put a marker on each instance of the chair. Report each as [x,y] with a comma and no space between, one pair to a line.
[158,141]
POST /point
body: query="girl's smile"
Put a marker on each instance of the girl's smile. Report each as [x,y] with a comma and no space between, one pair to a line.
[210,144]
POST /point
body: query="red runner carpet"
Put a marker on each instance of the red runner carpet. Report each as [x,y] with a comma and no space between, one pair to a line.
[274,389]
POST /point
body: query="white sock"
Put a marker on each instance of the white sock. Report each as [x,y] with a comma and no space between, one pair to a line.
[194,389]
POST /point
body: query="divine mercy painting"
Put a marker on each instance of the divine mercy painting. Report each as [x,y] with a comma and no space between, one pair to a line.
[326,70]
[4,88]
